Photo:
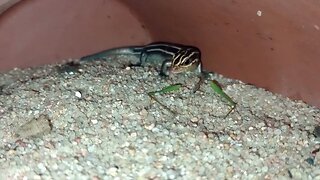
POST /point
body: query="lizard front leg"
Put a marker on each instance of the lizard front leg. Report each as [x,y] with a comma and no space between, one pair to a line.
[165,68]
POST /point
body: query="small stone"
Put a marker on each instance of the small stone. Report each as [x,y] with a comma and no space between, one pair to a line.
[91,148]
[171,174]
[42,167]
[259,13]
[310,160]
[158,164]
[194,119]
[113,128]
[143,113]
[150,126]
[112,171]
[133,135]
[78,94]
[277,131]
[94,121]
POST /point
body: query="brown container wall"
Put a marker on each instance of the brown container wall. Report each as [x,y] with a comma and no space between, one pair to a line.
[272,44]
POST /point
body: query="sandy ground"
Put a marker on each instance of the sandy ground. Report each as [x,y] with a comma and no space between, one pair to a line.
[96,121]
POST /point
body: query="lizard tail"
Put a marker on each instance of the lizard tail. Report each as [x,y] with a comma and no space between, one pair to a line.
[132,50]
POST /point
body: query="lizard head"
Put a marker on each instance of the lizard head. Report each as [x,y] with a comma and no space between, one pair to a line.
[186,59]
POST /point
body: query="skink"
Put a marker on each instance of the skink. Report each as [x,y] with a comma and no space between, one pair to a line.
[176,58]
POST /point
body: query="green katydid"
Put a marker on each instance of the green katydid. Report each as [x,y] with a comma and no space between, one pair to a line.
[213,84]
[170,88]
[217,88]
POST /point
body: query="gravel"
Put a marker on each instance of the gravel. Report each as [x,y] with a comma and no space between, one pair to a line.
[95,120]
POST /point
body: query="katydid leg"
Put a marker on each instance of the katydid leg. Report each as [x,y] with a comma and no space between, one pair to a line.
[217,88]
[167,89]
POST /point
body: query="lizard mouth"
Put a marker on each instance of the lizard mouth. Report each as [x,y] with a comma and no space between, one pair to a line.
[176,71]
[173,70]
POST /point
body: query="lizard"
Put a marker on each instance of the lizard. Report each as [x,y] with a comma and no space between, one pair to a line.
[176,58]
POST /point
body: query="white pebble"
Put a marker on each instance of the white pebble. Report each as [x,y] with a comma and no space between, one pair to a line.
[78,94]
[112,171]
[94,121]
[259,13]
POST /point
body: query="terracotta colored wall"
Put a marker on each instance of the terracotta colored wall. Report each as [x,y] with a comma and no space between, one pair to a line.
[6,4]
[38,32]
[278,50]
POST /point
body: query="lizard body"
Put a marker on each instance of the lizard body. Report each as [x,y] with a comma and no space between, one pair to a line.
[175,58]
